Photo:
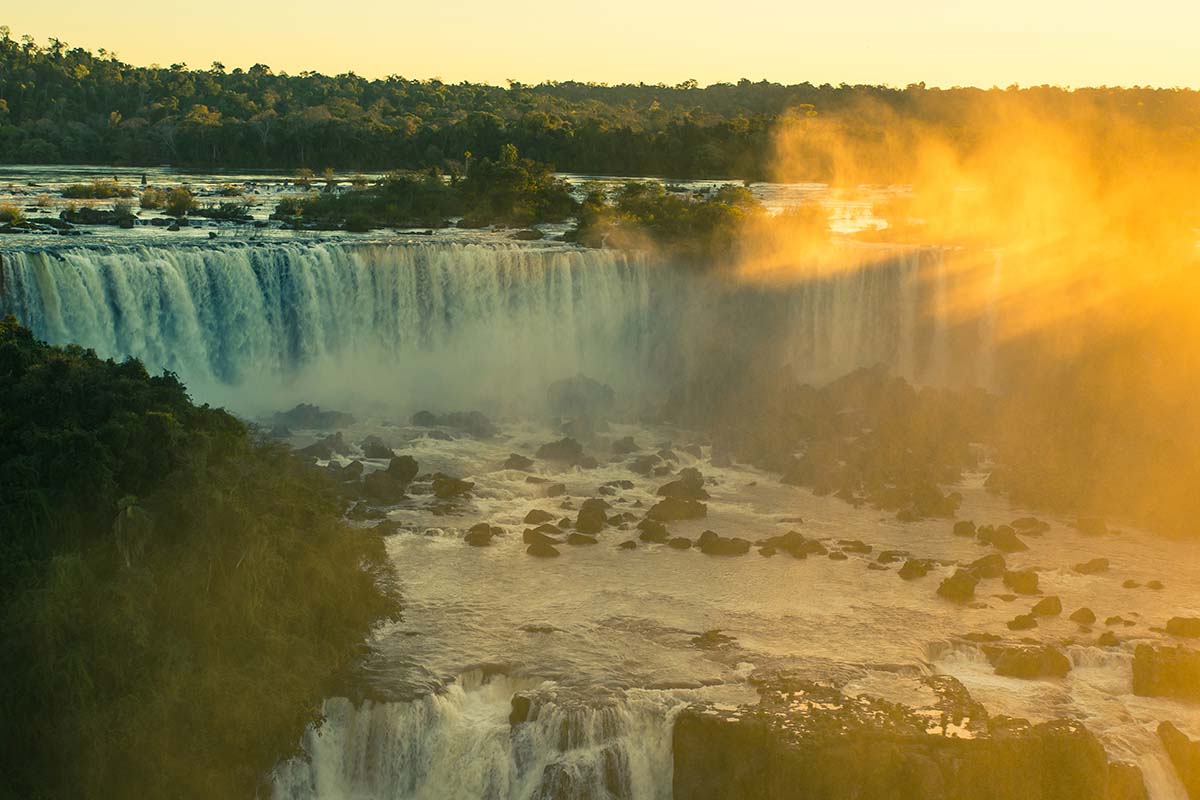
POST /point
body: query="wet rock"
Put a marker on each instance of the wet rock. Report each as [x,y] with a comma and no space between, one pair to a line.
[542,550]
[689,486]
[591,518]
[710,543]
[1163,671]
[310,417]
[624,446]
[536,517]
[473,423]
[1084,616]
[374,447]
[1092,567]
[535,536]
[915,568]
[581,538]
[1155,585]
[794,544]
[1005,540]
[890,556]
[1184,627]
[712,640]
[964,528]
[326,448]
[446,487]
[645,465]
[1023,581]
[652,531]
[1125,782]
[694,451]
[855,546]
[1107,639]
[1114,620]
[556,490]
[680,543]
[1047,607]
[383,487]
[628,544]
[992,565]
[1130,584]
[362,511]
[480,535]
[674,508]
[518,461]
[403,469]
[1184,754]
[959,587]
[1030,526]
[1029,662]
[837,555]
[351,472]
[1023,622]
[521,706]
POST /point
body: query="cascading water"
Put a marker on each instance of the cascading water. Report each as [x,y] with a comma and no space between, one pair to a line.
[460,743]
[404,326]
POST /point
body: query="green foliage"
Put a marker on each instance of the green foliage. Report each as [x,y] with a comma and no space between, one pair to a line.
[179,201]
[11,215]
[175,599]
[152,199]
[101,189]
[228,212]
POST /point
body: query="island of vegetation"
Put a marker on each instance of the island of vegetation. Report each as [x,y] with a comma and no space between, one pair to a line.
[176,599]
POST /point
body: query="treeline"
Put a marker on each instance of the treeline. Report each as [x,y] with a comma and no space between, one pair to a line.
[60,104]
[175,598]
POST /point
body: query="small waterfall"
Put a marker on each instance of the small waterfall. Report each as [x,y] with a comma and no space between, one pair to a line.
[459,743]
[404,326]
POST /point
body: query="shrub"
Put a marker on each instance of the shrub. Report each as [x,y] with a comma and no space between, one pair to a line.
[153,198]
[11,214]
[179,201]
[99,189]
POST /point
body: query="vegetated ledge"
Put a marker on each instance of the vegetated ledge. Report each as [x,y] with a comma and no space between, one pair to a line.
[807,739]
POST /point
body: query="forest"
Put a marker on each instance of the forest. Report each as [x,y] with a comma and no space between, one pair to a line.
[63,104]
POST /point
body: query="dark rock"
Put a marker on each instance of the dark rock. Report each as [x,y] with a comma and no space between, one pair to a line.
[1084,616]
[480,535]
[518,461]
[326,448]
[644,465]
[855,546]
[694,451]
[565,450]
[1125,782]
[384,487]
[959,587]
[1184,754]
[712,640]
[1047,607]
[628,544]
[652,531]
[473,423]
[1093,567]
[1155,585]
[310,417]
[679,543]
[915,568]
[990,566]
[1030,526]
[1023,622]
[1184,627]
[403,468]
[1130,584]
[351,472]
[1107,639]
[715,545]
[374,447]
[689,486]
[1023,581]
[446,487]
[591,518]
[542,550]
[580,538]
[364,511]
[624,446]
[536,517]
[1005,540]
[964,528]
[674,508]
[1028,661]
[1162,671]
[837,555]
[521,706]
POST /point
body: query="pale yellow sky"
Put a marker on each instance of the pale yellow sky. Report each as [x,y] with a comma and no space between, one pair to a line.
[941,42]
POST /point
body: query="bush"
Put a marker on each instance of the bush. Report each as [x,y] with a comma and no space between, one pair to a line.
[99,189]
[225,212]
[11,215]
[179,201]
[153,199]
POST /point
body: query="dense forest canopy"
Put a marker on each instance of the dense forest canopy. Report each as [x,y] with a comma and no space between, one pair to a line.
[61,104]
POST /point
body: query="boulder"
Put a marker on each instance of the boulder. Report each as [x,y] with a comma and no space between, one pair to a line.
[446,487]
[542,534]
[959,587]
[1030,526]
[1107,639]
[674,508]
[644,465]
[326,448]
[536,517]
[1005,540]
[542,550]
[990,566]
[715,545]
[402,468]
[1092,567]
[521,706]
[591,518]
[480,535]
[309,417]
[679,543]
[624,446]
[1163,671]
[652,531]
[473,423]
[689,486]
[964,528]
[915,568]
[1184,754]
[581,538]
[1024,581]
[1184,627]
[1022,622]
[628,544]
[1084,616]
[381,486]
[518,461]
[1028,661]
[1047,607]
[556,490]
[374,447]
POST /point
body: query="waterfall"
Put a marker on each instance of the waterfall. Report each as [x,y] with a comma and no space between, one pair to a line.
[406,325]
[459,743]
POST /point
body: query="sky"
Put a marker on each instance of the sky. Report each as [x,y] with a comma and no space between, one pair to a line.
[940,42]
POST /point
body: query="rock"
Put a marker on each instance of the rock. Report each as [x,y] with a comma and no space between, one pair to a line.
[309,417]
[1114,620]
[794,544]
[1125,782]
[374,447]
[580,396]
[1023,581]
[689,486]
[679,543]
[712,640]
[591,518]
[580,538]
[855,546]
[652,531]
[644,465]
[1030,526]
[1130,584]
[674,508]
[1155,585]
[1022,622]
[990,566]
[518,461]
[556,490]
[837,555]
[1184,754]
[326,448]
[1091,526]
[480,535]
[1005,540]
[964,528]
[915,568]
[446,487]
[1162,671]
[351,472]
[628,544]
[1107,639]
[890,556]
[528,235]
[694,451]
[542,550]
[712,544]
[363,511]
[546,534]
[1084,616]
[403,468]
[1028,661]
[521,706]
[1093,567]
[959,587]
[1047,607]
[381,486]
[473,423]
[536,517]
[624,446]
[1184,627]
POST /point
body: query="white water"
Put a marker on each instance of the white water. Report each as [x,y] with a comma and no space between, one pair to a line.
[405,326]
